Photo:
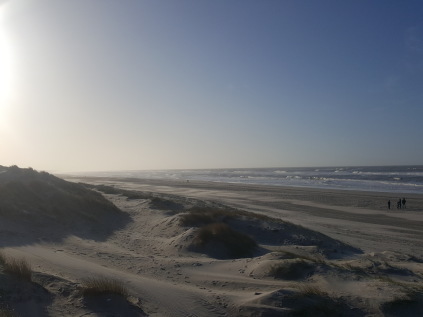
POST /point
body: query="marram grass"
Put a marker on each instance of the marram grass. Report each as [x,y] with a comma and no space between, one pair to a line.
[104,285]
[20,268]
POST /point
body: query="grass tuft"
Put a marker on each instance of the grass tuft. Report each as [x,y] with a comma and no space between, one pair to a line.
[311,290]
[20,268]
[104,285]
[291,270]
[206,215]
[2,258]
[293,255]
[238,244]
[200,216]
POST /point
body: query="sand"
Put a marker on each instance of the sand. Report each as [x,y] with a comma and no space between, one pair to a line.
[367,260]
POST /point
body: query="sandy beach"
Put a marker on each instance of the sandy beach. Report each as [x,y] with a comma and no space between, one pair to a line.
[319,253]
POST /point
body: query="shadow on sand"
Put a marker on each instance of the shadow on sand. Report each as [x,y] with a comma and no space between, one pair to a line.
[37,206]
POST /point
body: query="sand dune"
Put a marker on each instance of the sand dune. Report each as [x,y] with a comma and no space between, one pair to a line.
[318,253]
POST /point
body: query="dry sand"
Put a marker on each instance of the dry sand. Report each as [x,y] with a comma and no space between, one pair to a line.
[376,268]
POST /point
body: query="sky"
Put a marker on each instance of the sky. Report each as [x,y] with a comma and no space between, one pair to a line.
[98,85]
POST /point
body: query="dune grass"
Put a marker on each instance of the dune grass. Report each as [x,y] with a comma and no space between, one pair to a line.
[318,259]
[102,286]
[199,216]
[205,215]
[213,223]
[310,290]
[237,244]
[20,268]
[2,258]
[293,270]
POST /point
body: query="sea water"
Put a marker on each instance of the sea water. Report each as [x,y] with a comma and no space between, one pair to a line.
[399,179]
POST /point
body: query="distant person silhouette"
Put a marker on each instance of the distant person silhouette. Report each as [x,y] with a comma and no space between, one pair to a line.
[399,204]
[403,202]
[389,204]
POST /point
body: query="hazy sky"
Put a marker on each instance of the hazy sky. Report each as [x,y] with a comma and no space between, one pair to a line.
[89,85]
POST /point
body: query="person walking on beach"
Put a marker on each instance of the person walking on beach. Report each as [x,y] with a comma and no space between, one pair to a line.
[399,204]
[403,202]
[389,204]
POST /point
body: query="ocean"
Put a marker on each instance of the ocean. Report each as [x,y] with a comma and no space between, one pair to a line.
[398,179]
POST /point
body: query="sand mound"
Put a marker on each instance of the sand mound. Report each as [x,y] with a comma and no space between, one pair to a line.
[49,295]
[305,301]
[36,205]
[225,232]
[408,305]
[22,297]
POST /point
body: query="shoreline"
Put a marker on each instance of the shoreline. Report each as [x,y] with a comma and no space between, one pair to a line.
[282,189]
[393,179]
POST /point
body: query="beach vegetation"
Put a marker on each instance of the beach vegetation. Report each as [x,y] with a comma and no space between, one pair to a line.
[308,289]
[3,258]
[206,215]
[19,268]
[166,204]
[102,286]
[292,255]
[292,270]
[237,244]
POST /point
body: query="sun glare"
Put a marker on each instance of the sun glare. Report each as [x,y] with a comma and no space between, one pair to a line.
[6,66]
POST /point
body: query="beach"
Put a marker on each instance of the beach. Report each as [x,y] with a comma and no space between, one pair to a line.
[350,216]
[352,254]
